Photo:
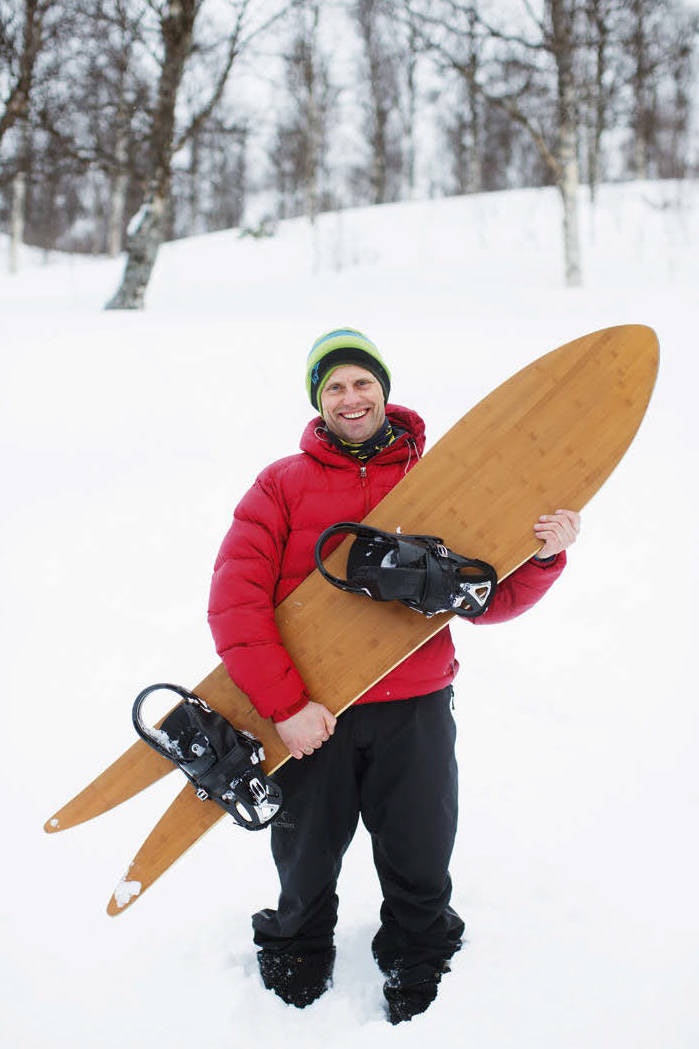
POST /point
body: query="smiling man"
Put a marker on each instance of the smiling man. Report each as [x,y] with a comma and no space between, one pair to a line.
[390,758]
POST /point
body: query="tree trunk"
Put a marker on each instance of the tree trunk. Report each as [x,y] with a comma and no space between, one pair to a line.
[148,230]
[410,150]
[568,177]
[117,198]
[475,139]
[117,210]
[311,180]
[195,222]
[144,242]
[568,183]
[18,206]
[598,14]
[17,100]
[19,195]
[571,225]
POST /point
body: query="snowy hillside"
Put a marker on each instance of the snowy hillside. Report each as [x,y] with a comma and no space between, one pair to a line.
[126,440]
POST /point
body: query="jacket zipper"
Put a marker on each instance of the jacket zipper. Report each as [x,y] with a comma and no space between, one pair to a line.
[364,484]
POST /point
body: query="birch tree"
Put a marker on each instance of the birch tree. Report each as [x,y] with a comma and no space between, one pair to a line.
[378,86]
[118,91]
[602,81]
[465,127]
[24,30]
[178,21]
[540,57]
[658,38]
[23,34]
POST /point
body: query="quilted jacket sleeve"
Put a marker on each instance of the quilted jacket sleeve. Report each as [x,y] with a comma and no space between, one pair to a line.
[521,590]
[242,599]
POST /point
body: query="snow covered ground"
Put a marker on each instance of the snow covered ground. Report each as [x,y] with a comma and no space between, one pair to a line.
[126,440]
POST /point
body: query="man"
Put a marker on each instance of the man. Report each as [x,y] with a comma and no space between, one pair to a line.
[390,758]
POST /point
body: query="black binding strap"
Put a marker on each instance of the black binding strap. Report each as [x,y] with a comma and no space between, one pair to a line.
[222,763]
[417,570]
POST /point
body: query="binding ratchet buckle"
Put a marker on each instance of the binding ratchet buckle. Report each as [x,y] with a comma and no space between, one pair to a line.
[417,570]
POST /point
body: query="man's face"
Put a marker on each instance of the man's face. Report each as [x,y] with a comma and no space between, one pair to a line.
[352,403]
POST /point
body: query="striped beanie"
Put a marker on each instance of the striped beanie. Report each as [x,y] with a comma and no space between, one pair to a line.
[338,347]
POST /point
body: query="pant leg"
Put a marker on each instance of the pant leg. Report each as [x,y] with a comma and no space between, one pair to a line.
[409,803]
[309,839]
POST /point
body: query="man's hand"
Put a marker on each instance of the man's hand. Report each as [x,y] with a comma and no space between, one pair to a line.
[308,730]
[557,532]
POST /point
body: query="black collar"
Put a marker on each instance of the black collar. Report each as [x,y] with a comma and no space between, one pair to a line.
[383,437]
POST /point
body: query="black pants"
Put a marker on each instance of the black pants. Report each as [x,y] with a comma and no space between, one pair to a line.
[393,764]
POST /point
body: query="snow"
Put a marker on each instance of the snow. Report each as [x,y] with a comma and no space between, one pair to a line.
[126,440]
[125,892]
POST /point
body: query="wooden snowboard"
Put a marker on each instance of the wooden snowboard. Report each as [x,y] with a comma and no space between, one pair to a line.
[545,439]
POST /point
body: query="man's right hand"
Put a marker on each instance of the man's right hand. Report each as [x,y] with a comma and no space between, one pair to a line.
[308,730]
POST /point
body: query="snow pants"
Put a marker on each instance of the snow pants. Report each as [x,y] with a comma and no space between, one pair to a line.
[394,765]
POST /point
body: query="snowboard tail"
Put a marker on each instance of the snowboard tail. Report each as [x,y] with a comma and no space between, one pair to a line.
[136,769]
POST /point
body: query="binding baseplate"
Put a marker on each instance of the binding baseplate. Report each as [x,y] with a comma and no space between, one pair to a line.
[222,763]
[418,570]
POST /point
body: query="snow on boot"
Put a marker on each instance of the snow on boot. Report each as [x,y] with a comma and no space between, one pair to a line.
[298,979]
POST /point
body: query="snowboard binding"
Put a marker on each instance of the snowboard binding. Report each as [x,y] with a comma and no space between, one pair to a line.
[222,763]
[417,570]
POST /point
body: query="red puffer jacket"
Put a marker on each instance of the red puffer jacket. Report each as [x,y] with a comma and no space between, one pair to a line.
[269,550]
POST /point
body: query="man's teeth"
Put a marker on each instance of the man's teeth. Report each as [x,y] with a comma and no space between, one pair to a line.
[355,415]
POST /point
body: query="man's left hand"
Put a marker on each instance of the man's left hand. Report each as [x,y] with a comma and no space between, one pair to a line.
[557,532]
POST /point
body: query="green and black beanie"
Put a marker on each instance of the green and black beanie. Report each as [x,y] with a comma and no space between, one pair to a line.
[338,347]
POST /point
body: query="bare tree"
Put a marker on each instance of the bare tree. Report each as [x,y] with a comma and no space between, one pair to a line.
[642,36]
[413,50]
[19,197]
[382,98]
[465,124]
[548,43]
[300,147]
[118,93]
[127,112]
[69,139]
[601,80]
[673,158]
[22,36]
[24,31]
[560,39]
[178,20]
[657,40]
[314,110]
[209,192]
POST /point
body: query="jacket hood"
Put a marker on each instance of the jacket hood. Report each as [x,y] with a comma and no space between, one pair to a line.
[314,439]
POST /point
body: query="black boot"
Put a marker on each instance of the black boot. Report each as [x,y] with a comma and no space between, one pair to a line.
[298,979]
[406,1001]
